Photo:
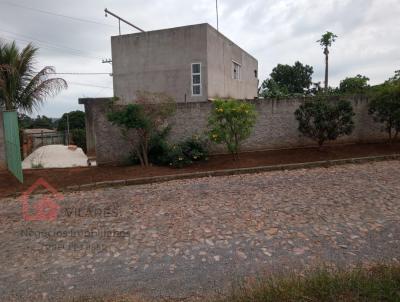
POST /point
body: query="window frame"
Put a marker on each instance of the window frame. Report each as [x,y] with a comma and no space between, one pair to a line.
[239,71]
[191,79]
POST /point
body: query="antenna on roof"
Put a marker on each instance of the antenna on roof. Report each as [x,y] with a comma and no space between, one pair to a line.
[106,11]
[216,7]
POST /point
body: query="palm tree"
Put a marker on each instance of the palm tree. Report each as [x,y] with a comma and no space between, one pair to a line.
[326,41]
[21,87]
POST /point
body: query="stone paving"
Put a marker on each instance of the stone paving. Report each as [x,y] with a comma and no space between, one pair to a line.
[189,238]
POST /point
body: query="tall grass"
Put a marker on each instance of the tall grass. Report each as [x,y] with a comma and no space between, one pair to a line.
[379,283]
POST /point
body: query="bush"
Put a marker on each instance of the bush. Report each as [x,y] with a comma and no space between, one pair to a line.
[141,121]
[79,138]
[176,158]
[159,148]
[194,149]
[230,123]
[185,153]
[178,155]
[385,108]
[322,120]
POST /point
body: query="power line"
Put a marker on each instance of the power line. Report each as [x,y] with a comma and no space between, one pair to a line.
[56,14]
[81,73]
[88,85]
[58,46]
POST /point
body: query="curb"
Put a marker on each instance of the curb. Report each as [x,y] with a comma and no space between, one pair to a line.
[227,172]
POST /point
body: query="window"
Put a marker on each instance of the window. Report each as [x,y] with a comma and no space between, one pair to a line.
[235,70]
[196,79]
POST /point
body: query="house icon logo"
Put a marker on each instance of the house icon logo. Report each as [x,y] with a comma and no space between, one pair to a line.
[44,209]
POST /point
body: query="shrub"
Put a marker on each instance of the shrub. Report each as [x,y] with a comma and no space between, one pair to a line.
[176,157]
[139,122]
[79,138]
[323,120]
[230,123]
[186,152]
[195,148]
[159,147]
[385,108]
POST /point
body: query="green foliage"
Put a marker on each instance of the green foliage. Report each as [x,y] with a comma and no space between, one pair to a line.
[375,284]
[159,147]
[21,86]
[141,121]
[176,158]
[194,148]
[395,78]
[327,39]
[323,120]
[287,80]
[26,122]
[79,138]
[354,85]
[76,120]
[385,107]
[230,123]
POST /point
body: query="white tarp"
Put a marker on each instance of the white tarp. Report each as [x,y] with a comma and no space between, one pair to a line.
[55,156]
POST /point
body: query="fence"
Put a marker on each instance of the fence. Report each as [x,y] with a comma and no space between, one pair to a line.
[32,141]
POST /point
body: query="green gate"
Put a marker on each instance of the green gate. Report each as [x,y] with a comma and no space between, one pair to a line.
[11,139]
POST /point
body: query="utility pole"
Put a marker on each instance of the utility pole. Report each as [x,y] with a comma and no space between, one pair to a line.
[216,7]
[107,12]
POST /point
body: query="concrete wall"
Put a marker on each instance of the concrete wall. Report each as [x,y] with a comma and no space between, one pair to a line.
[276,128]
[3,164]
[221,52]
[159,61]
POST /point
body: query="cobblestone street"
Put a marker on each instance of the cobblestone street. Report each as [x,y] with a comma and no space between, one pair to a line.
[189,238]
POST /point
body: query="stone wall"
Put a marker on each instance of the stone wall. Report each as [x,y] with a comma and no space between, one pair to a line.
[3,164]
[276,127]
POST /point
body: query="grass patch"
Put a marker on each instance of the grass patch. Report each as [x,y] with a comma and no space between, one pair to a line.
[379,283]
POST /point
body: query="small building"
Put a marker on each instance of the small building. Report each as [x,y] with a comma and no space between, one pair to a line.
[193,63]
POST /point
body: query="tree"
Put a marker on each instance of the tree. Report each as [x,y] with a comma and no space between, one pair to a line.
[21,87]
[395,78]
[77,125]
[385,107]
[286,79]
[357,84]
[24,121]
[269,88]
[326,41]
[140,121]
[42,122]
[75,118]
[323,120]
[230,123]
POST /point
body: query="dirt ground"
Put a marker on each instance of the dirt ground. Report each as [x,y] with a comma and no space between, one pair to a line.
[61,178]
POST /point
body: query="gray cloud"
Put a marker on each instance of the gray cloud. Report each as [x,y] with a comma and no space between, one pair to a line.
[273,31]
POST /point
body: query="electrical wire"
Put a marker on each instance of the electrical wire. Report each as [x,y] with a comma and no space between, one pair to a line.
[56,14]
[81,73]
[88,85]
[49,44]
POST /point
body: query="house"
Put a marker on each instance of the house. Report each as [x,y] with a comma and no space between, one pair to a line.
[193,63]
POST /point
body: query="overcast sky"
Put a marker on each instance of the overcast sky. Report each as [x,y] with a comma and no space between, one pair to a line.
[274,31]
